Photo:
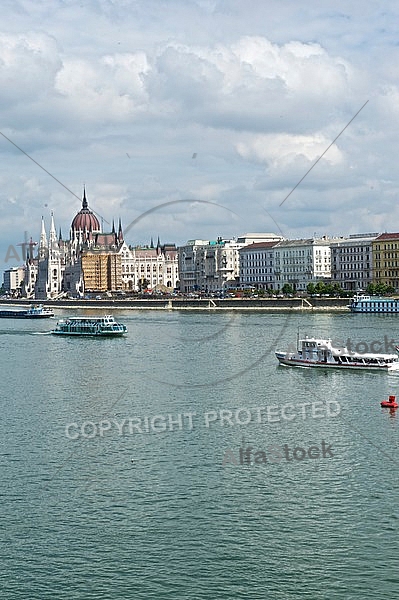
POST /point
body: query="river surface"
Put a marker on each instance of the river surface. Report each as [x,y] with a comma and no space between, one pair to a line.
[183,462]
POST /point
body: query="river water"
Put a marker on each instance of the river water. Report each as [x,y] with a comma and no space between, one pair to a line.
[128,465]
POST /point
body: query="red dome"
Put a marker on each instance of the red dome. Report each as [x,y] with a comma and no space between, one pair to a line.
[85,220]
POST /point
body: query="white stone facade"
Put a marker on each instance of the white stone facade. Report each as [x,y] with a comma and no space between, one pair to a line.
[12,279]
[149,268]
[209,266]
[300,262]
[257,265]
[271,265]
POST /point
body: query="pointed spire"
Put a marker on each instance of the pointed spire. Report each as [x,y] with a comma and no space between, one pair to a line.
[28,252]
[43,240]
[53,234]
[113,226]
[60,236]
[152,243]
[158,242]
[84,201]
[120,232]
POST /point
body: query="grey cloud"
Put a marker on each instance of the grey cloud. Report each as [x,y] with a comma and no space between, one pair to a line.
[85,84]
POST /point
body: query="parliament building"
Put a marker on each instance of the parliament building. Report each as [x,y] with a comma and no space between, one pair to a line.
[94,261]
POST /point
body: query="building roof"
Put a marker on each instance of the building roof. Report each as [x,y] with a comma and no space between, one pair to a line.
[259,245]
[355,240]
[248,238]
[324,241]
[85,220]
[387,236]
[106,240]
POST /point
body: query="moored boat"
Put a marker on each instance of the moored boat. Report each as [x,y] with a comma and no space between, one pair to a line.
[314,352]
[36,311]
[372,304]
[90,326]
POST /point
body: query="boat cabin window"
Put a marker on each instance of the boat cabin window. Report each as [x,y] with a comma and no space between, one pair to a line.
[308,344]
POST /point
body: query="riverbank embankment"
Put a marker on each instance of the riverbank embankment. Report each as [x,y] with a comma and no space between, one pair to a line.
[275,304]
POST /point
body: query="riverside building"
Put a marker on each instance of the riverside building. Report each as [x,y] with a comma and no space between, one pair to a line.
[351,261]
[149,267]
[271,265]
[211,266]
[257,265]
[94,261]
[13,279]
[300,262]
[385,250]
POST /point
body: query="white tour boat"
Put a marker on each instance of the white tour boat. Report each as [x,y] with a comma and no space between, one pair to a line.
[35,311]
[314,352]
[90,326]
[372,304]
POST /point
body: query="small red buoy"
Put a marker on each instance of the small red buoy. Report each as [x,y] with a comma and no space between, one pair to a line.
[390,403]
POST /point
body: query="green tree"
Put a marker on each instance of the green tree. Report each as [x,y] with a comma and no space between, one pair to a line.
[287,289]
[310,288]
[381,289]
[337,289]
[329,289]
[320,287]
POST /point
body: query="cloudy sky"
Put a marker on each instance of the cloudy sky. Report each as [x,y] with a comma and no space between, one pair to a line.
[227,103]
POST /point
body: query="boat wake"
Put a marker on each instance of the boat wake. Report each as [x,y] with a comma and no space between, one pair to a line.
[40,332]
[15,332]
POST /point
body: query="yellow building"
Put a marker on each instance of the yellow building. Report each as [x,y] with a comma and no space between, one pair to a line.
[386,259]
[102,270]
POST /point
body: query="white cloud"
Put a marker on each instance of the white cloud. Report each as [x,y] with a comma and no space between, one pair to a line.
[112,88]
[121,94]
[281,151]
[28,65]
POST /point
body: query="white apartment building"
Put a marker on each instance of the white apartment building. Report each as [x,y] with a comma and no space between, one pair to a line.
[12,279]
[351,261]
[148,267]
[210,266]
[189,264]
[257,265]
[299,262]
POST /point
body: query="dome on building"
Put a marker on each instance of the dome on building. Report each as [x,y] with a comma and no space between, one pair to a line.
[85,220]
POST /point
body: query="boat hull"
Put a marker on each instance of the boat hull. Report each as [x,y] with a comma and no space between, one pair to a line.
[297,362]
[19,314]
[94,334]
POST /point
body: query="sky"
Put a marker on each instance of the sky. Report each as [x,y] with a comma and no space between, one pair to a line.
[193,119]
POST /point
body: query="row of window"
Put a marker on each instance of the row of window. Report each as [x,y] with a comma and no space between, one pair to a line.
[380,274]
[391,246]
[351,249]
[246,272]
[387,263]
[133,269]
